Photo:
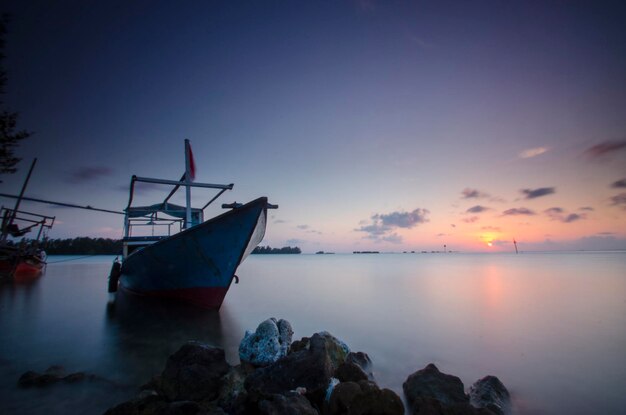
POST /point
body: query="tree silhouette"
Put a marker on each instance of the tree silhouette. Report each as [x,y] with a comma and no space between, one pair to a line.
[9,135]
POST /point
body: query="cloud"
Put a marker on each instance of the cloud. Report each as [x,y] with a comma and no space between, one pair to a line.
[619,200]
[294,241]
[403,219]
[420,42]
[591,243]
[554,212]
[471,219]
[477,209]
[303,227]
[605,148]
[473,194]
[557,213]
[453,225]
[606,233]
[277,221]
[518,211]
[532,152]
[619,184]
[573,217]
[587,208]
[394,238]
[88,174]
[382,225]
[491,228]
[534,193]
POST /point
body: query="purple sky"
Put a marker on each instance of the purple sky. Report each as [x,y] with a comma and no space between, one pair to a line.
[388,125]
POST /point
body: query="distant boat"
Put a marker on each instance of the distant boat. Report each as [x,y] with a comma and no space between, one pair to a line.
[197,264]
[22,261]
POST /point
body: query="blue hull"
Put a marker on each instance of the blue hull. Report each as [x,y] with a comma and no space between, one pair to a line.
[198,264]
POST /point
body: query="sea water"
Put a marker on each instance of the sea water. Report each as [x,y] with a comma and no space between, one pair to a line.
[551,326]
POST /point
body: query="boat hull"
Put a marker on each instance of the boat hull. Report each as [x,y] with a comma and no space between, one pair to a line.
[197,265]
[21,267]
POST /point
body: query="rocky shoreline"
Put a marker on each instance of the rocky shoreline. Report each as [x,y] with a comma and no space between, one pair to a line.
[313,375]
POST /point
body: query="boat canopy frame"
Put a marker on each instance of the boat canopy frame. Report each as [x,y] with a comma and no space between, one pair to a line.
[185,216]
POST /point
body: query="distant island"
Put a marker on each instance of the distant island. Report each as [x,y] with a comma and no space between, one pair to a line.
[365,252]
[264,250]
[76,246]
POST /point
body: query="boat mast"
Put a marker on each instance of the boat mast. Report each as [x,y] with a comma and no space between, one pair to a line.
[187,183]
[19,200]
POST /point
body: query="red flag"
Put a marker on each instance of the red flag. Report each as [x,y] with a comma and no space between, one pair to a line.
[192,164]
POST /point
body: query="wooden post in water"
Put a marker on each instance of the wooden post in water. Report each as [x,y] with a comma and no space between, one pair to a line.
[187,182]
[515,243]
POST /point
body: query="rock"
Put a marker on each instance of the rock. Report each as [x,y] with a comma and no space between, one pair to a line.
[147,405]
[489,392]
[267,344]
[310,367]
[362,360]
[292,403]
[336,349]
[52,375]
[428,384]
[342,396]
[364,398]
[350,372]
[155,405]
[193,373]
[233,395]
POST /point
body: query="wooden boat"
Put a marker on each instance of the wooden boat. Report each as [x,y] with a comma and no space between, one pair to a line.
[25,260]
[197,264]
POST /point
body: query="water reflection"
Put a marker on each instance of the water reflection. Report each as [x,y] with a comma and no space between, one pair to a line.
[140,332]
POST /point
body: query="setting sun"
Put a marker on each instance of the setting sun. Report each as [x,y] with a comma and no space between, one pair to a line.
[489,244]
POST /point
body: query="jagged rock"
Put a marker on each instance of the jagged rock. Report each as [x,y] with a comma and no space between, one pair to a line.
[147,405]
[350,372]
[362,360]
[267,344]
[156,405]
[233,395]
[489,392]
[428,385]
[291,403]
[193,373]
[364,398]
[310,367]
[52,375]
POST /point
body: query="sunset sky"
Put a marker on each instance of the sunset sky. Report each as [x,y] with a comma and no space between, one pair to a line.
[375,125]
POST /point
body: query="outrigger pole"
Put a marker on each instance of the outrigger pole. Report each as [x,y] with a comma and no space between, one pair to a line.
[70,205]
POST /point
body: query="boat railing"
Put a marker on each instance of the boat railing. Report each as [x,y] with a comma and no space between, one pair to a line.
[153,224]
[17,223]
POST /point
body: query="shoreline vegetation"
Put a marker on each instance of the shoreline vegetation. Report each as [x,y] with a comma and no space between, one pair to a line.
[107,246]
[265,250]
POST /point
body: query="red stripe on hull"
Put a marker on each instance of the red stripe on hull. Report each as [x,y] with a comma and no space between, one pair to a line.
[24,271]
[205,297]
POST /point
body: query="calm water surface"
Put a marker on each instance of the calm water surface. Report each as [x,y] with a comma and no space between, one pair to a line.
[552,327]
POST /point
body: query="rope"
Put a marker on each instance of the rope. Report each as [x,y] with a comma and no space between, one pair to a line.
[72,259]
